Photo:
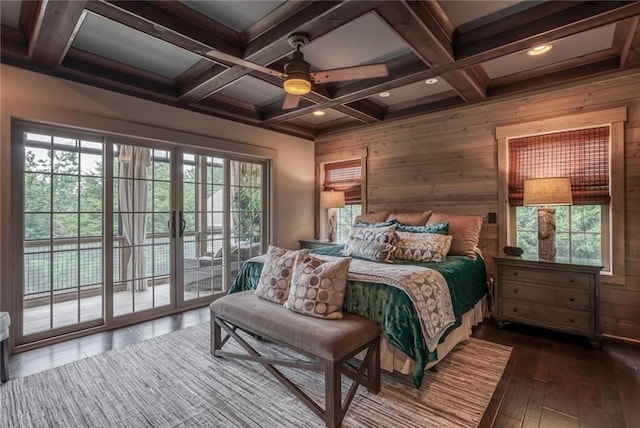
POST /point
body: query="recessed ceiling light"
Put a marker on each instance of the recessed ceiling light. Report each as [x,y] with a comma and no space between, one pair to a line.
[318,113]
[539,50]
[431,81]
[384,94]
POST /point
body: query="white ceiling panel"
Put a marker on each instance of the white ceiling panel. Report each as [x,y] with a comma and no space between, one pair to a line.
[235,14]
[253,91]
[366,40]
[411,92]
[110,39]
[563,49]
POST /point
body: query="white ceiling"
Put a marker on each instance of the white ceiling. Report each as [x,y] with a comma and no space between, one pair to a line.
[411,92]
[113,40]
[236,14]
[563,49]
[253,91]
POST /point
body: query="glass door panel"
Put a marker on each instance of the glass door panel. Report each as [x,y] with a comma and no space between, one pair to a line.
[63,238]
[203,192]
[141,218]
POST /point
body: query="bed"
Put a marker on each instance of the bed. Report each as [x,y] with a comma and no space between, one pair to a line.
[404,345]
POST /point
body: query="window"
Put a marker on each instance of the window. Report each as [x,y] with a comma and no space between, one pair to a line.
[345,176]
[598,210]
[583,156]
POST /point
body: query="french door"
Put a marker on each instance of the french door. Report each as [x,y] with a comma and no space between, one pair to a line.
[116,230]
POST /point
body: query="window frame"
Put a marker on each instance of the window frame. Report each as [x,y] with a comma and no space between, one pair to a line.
[321,160]
[613,224]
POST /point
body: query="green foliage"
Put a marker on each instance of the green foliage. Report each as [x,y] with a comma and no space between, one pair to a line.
[247,204]
[578,231]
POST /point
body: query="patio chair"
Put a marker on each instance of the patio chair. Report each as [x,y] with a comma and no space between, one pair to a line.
[202,271]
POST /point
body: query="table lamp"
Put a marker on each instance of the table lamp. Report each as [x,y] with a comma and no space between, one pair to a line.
[331,200]
[544,192]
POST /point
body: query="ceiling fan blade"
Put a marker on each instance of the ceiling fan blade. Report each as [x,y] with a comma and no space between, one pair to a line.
[350,73]
[290,101]
[215,54]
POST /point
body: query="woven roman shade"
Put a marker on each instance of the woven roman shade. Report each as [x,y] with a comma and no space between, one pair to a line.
[581,155]
[345,176]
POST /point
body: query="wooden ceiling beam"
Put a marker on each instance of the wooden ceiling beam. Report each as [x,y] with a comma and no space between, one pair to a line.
[556,78]
[422,30]
[623,39]
[474,46]
[53,30]
[316,19]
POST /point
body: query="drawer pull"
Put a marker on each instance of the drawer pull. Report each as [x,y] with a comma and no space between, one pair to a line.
[572,320]
[515,290]
[515,274]
[572,299]
[515,309]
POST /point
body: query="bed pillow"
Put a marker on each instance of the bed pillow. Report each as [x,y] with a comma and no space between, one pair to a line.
[441,228]
[422,247]
[372,217]
[411,219]
[465,230]
[277,272]
[369,250]
[379,224]
[377,234]
[318,287]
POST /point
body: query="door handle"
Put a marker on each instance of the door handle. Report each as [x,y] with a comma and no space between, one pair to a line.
[171,224]
[183,225]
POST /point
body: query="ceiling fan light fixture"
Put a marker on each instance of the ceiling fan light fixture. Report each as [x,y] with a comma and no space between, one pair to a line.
[297,85]
[539,50]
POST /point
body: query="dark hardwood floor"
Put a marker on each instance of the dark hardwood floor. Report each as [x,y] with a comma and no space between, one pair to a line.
[552,380]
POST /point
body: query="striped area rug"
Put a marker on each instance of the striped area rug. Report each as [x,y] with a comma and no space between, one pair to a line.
[173,381]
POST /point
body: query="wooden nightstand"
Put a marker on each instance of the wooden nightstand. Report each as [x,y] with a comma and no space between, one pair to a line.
[317,243]
[559,296]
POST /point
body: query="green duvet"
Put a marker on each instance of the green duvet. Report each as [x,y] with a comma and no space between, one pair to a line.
[391,308]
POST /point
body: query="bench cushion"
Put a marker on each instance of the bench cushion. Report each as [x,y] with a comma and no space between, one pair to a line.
[328,339]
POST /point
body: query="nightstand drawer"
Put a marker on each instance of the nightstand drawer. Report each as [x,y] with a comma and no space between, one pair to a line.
[549,277]
[548,316]
[566,297]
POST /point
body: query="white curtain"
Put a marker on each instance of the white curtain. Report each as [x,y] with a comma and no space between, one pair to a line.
[134,170]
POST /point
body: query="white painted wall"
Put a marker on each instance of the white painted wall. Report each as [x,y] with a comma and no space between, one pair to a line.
[38,97]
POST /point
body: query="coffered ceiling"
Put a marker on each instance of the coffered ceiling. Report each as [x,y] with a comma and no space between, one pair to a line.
[226,58]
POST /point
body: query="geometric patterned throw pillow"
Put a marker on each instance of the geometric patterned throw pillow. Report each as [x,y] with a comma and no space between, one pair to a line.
[422,247]
[377,234]
[277,271]
[318,287]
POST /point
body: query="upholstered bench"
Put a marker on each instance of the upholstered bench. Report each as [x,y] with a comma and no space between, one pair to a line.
[5,322]
[329,343]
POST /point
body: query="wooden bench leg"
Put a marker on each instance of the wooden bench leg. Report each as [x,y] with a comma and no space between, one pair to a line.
[216,340]
[4,360]
[333,394]
[373,368]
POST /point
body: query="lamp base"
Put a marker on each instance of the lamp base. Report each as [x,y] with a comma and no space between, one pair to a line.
[331,224]
[547,234]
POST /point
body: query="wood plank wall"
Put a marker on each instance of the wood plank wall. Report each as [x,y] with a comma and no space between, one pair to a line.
[447,161]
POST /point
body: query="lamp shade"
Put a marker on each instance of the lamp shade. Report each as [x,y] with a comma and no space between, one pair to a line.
[547,191]
[331,199]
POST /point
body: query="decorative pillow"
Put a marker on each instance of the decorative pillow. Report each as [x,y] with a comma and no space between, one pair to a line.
[372,217]
[379,224]
[465,230]
[318,287]
[275,278]
[422,247]
[377,234]
[441,228]
[411,219]
[369,250]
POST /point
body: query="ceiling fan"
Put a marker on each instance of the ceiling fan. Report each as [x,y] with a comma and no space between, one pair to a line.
[298,76]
